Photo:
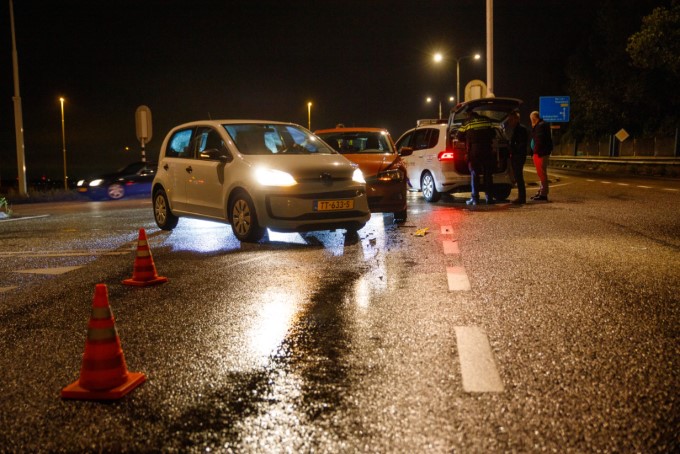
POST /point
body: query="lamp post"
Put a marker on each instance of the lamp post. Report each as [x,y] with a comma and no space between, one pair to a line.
[438,57]
[476,57]
[63,141]
[429,100]
[309,116]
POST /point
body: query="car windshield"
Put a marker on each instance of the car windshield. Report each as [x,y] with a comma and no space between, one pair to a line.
[269,139]
[358,142]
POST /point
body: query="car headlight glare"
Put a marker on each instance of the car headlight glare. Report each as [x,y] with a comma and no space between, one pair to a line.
[96,182]
[80,183]
[271,177]
[390,175]
[358,176]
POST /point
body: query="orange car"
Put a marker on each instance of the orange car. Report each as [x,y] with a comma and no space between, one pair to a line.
[385,173]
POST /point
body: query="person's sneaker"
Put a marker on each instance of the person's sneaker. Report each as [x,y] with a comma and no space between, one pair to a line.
[472,201]
[543,198]
[535,197]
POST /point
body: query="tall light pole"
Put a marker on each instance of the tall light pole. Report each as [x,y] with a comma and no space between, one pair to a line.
[429,100]
[18,116]
[309,116]
[476,57]
[63,141]
[438,57]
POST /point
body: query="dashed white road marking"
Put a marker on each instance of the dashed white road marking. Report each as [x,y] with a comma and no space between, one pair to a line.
[623,184]
[671,189]
[56,270]
[644,187]
[477,363]
[457,279]
[450,247]
[7,289]
[606,182]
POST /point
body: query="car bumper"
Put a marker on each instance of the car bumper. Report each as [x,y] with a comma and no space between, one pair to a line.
[301,212]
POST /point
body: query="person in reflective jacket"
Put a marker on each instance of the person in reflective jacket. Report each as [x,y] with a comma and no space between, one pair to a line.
[478,134]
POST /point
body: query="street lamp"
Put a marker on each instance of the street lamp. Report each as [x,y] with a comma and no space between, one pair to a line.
[429,100]
[63,141]
[309,115]
[438,57]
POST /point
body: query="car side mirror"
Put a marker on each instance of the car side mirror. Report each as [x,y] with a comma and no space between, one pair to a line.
[405,151]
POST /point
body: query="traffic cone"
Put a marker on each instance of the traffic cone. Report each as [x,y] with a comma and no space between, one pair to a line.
[144,272]
[103,373]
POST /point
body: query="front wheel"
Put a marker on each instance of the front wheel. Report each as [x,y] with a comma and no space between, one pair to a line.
[165,220]
[115,191]
[243,219]
[429,189]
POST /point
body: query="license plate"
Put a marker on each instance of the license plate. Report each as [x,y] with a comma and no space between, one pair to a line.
[333,205]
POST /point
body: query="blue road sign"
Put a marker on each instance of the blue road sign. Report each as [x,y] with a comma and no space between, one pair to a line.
[554,109]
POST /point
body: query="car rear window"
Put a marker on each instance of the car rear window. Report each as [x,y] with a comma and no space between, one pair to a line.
[265,139]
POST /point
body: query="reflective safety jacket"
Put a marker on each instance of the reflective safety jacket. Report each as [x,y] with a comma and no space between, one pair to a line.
[478,131]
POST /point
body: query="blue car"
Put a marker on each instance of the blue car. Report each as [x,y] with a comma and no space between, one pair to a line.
[133,179]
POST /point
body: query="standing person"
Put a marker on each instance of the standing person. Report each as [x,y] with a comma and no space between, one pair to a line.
[518,138]
[478,133]
[541,147]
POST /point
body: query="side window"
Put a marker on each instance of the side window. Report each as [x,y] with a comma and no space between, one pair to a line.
[179,144]
[433,139]
[420,139]
[404,141]
[210,144]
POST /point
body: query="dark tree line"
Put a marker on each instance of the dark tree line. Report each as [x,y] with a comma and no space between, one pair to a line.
[626,74]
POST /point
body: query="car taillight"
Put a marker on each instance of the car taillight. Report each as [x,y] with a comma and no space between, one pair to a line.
[446,155]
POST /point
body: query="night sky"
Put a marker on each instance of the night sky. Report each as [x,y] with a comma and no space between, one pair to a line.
[362,63]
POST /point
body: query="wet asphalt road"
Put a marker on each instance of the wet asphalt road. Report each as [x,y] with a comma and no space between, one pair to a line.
[327,343]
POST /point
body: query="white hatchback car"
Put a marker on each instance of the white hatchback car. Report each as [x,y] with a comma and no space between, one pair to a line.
[256,175]
[438,165]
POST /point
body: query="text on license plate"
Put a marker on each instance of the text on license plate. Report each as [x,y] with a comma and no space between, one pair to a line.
[333,205]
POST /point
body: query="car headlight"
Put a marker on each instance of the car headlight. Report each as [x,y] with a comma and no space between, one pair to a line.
[96,182]
[390,175]
[358,176]
[80,183]
[271,177]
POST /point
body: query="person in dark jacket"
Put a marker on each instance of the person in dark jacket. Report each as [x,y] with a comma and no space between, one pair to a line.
[541,147]
[518,138]
[478,134]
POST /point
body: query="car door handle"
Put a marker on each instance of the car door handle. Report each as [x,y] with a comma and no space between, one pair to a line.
[189,169]
[166,167]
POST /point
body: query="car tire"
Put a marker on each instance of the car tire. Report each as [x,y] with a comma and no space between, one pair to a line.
[428,188]
[165,220]
[400,216]
[115,191]
[243,219]
[502,192]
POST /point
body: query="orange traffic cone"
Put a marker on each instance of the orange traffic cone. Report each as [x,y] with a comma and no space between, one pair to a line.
[144,271]
[103,374]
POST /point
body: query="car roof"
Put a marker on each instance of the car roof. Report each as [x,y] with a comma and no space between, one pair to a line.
[232,121]
[352,129]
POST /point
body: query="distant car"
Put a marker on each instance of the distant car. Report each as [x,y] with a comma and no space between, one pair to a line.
[438,163]
[133,179]
[385,173]
[256,175]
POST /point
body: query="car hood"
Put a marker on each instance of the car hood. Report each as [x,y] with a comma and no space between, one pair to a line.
[372,163]
[306,166]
